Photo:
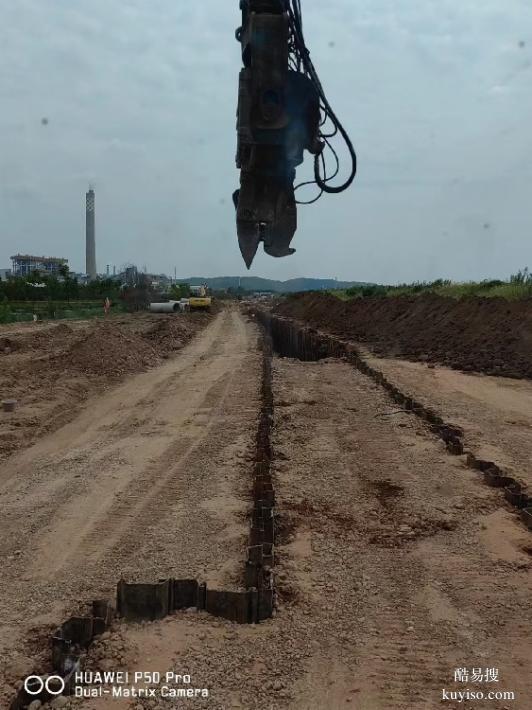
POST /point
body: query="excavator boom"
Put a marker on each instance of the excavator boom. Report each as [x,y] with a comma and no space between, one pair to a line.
[279,116]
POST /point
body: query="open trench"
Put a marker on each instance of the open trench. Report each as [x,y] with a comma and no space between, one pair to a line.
[251,602]
[294,340]
[377,538]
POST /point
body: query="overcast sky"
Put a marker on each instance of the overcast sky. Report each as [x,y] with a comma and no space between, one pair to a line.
[140,100]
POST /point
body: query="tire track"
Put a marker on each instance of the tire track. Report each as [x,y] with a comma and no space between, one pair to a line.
[159,487]
[149,479]
[383,565]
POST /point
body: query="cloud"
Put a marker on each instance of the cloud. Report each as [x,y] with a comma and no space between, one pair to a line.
[141,97]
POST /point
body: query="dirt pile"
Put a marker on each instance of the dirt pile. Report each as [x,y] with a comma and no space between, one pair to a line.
[108,351]
[111,350]
[171,334]
[51,368]
[489,335]
[8,345]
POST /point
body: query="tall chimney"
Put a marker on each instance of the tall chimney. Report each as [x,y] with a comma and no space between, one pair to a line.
[90,238]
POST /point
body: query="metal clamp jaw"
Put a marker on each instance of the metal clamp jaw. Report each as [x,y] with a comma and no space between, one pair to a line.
[277,119]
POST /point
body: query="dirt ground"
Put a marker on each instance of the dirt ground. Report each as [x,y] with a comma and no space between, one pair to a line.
[489,335]
[150,479]
[50,368]
[395,565]
[495,413]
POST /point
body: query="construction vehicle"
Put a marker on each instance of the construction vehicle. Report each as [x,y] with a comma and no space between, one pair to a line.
[282,111]
[199,298]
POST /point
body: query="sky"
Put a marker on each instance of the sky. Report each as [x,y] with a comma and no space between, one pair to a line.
[137,98]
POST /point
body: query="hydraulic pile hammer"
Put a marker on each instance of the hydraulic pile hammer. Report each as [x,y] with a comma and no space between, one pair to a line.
[281,108]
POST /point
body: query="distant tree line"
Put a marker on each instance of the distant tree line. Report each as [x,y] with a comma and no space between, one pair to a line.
[517,286]
[46,287]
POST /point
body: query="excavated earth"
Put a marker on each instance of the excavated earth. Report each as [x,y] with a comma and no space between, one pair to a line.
[51,368]
[489,335]
[145,479]
[395,564]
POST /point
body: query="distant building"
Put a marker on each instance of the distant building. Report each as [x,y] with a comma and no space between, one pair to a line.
[5,274]
[80,277]
[131,275]
[24,264]
[159,280]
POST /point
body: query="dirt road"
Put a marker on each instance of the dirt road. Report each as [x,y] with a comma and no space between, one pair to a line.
[149,479]
[401,577]
[495,413]
[395,568]
[404,575]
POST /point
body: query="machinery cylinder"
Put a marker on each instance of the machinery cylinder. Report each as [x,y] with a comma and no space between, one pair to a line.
[171,307]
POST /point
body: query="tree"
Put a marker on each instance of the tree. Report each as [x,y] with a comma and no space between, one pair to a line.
[523,276]
[175,292]
[185,290]
[137,297]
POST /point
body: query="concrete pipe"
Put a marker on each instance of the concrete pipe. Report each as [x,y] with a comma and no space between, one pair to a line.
[171,307]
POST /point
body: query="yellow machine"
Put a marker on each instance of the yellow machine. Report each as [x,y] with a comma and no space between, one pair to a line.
[199,298]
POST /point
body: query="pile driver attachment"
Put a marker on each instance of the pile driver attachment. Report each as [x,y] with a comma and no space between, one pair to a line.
[281,111]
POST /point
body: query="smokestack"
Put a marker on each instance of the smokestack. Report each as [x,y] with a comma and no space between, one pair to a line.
[90,237]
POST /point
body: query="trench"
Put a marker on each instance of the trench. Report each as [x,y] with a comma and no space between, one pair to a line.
[294,339]
[149,602]
[136,602]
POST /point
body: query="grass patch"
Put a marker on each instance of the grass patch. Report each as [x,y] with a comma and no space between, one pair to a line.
[517,287]
[20,311]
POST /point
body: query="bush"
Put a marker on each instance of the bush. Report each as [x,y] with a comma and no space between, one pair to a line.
[6,315]
[518,286]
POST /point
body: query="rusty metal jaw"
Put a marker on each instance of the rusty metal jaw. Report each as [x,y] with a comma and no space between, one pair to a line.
[266,212]
[277,119]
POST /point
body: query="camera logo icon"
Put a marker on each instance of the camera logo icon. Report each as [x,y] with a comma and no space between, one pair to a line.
[52,684]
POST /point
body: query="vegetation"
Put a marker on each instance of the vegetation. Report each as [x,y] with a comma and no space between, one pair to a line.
[137,296]
[17,312]
[38,287]
[62,296]
[55,297]
[518,286]
[178,291]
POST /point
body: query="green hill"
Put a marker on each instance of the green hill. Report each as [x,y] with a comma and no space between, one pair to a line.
[256,283]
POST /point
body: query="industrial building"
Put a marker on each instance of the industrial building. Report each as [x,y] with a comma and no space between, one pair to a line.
[24,264]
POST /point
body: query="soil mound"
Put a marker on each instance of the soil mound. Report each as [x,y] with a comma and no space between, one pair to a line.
[51,368]
[168,334]
[106,350]
[62,329]
[489,335]
[7,345]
